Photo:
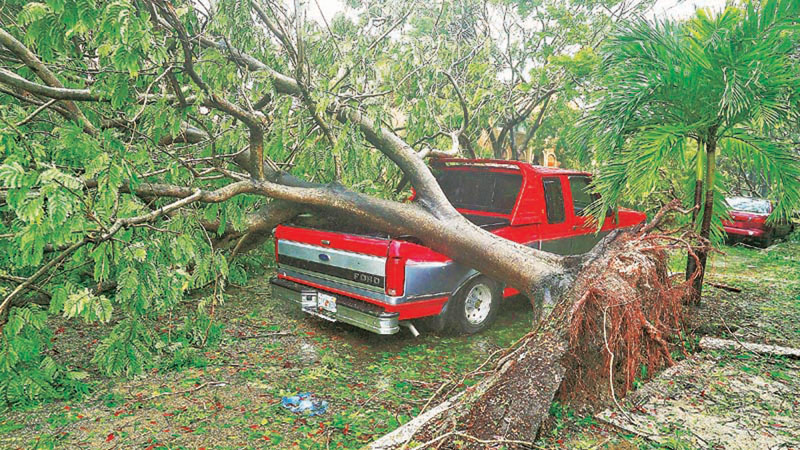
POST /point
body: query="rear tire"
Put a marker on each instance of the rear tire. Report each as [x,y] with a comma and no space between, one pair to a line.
[475,306]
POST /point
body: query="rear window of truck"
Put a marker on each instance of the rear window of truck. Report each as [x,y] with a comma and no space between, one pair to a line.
[554,199]
[493,192]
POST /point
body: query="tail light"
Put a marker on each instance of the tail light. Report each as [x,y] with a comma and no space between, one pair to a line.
[395,276]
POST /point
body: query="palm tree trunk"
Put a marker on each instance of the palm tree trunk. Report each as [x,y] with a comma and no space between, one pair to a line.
[705,226]
[691,263]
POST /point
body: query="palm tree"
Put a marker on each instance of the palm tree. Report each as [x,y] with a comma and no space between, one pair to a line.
[728,81]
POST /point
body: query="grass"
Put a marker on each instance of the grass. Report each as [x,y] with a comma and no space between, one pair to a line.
[229,396]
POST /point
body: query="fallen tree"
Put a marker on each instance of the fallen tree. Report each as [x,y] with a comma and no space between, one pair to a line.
[195,74]
[711,343]
[620,313]
[121,207]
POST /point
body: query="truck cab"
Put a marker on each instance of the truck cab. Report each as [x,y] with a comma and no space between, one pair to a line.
[378,282]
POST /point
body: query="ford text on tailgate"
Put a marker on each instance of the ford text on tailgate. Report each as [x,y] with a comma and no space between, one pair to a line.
[378,282]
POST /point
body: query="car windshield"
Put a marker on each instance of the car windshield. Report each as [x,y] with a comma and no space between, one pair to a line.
[487,191]
[751,205]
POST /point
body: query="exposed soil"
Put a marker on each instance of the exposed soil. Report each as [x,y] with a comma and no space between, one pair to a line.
[714,401]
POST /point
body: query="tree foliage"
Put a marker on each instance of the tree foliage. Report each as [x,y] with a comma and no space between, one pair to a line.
[146,144]
[731,79]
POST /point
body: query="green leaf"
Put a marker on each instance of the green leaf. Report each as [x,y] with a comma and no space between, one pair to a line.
[91,308]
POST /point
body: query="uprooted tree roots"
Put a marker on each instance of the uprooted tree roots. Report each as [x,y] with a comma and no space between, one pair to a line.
[622,312]
[625,318]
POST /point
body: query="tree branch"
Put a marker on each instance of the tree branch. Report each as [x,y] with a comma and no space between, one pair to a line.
[67,94]
[30,59]
[217,196]
[82,95]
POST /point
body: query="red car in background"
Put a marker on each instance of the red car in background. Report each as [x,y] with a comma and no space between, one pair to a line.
[749,221]
[379,282]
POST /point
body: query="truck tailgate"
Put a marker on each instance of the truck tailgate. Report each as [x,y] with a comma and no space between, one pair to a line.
[349,259]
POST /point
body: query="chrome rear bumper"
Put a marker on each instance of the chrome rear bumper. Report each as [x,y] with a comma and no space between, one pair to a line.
[351,311]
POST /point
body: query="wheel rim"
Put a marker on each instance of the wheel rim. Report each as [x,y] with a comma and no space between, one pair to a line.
[478,304]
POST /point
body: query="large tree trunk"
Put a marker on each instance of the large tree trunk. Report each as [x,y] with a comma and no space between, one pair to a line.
[622,304]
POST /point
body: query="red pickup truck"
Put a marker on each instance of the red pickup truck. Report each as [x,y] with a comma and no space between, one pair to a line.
[380,282]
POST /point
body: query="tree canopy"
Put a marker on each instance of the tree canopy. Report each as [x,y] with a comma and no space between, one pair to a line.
[147,144]
[728,79]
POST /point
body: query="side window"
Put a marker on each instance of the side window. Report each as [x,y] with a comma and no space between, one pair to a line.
[581,196]
[554,199]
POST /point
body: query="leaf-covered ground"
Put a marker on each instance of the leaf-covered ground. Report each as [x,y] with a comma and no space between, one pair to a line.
[229,397]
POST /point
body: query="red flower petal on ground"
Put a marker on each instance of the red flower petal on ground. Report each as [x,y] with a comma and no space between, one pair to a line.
[255,427]
[110,437]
